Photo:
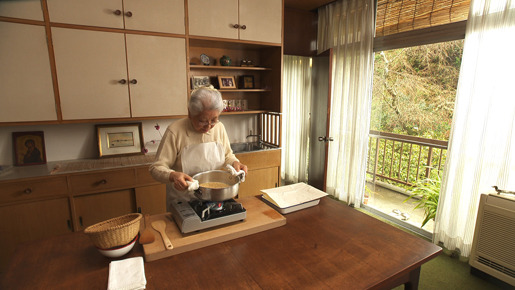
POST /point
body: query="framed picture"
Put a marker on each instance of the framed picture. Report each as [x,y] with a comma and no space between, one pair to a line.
[199,81]
[29,148]
[246,82]
[120,139]
[226,82]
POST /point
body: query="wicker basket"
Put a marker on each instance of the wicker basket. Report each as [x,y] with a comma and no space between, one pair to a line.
[114,232]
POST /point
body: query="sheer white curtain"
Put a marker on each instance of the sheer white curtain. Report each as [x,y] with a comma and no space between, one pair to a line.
[482,144]
[296,105]
[348,27]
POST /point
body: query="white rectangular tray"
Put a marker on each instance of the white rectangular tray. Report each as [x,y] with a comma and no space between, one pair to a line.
[293,208]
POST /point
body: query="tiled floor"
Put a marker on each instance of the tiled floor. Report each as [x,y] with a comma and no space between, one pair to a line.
[392,203]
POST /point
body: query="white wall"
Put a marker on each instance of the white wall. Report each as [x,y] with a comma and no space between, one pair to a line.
[78,141]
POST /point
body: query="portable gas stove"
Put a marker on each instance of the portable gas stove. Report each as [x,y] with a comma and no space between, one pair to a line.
[197,214]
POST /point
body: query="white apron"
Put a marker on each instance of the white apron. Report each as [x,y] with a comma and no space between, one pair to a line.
[196,158]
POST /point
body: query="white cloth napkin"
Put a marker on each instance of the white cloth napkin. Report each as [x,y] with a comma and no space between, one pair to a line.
[192,185]
[127,274]
[234,172]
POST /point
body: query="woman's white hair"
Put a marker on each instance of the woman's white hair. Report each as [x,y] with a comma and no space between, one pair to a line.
[205,99]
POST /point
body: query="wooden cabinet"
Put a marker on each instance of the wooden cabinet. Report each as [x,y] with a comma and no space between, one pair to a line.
[263,171]
[39,207]
[110,75]
[151,199]
[33,189]
[25,75]
[27,9]
[93,208]
[161,88]
[150,15]
[83,183]
[20,223]
[237,19]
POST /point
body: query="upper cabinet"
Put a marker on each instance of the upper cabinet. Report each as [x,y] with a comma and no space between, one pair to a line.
[150,15]
[113,75]
[248,20]
[27,92]
[27,9]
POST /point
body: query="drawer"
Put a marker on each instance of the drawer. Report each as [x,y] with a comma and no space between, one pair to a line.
[33,189]
[261,159]
[102,181]
[144,177]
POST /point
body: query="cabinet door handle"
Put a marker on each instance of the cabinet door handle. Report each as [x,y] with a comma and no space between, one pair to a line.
[69,222]
[236,26]
[139,209]
[134,81]
[103,181]
[28,190]
[128,14]
[80,221]
[117,12]
[244,27]
[122,81]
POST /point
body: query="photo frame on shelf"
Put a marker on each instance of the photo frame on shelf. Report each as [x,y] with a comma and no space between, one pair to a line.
[119,140]
[200,81]
[226,82]
[29,148]
[246,82]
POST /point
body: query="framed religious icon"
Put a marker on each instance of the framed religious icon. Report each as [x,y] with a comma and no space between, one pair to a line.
[29,148]
[120,140]
[226,82]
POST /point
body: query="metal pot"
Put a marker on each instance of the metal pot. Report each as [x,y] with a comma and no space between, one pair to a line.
[217,194]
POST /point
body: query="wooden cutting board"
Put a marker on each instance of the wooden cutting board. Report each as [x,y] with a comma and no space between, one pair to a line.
[260,217]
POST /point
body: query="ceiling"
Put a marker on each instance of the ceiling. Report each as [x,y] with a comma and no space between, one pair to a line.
[306,4]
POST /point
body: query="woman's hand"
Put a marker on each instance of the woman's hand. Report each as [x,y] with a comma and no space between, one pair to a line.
[179,180]
[238,166]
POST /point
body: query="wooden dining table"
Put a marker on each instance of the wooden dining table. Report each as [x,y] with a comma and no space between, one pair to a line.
[328,246]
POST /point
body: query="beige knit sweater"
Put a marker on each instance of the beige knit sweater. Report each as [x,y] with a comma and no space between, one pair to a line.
[179,135]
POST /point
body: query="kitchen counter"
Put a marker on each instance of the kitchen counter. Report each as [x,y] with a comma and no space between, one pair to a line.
[328,246]
[69,166]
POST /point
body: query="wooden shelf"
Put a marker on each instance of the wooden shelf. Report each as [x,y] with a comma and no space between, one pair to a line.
[245,112]
[245,91]
[218,67]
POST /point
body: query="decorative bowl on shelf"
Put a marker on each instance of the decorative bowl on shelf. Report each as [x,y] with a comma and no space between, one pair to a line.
[225,61]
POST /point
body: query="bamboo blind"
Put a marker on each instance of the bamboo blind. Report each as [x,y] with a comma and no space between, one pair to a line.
[394,16]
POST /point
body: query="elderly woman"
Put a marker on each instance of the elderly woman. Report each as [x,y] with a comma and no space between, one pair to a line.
[195,144]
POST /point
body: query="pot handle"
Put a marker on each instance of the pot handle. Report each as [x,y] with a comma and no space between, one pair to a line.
[240,174]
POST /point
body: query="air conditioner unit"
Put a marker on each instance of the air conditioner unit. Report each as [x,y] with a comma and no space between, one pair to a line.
[493,247]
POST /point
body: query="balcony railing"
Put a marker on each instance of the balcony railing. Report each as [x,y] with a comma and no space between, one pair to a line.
[404,159]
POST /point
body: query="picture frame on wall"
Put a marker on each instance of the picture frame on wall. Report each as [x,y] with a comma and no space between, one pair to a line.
[200,81]
[116,140]
[246,82]
[29,148]
[226,82]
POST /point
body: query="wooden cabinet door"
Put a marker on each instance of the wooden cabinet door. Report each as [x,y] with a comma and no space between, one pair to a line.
[27,9]
[151,199]
[155,15]
[90,66]
[214,18]
[94,208]
[259,179]
[25,75]
[32,221]
[100,13]
[262,19]
[157,73]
